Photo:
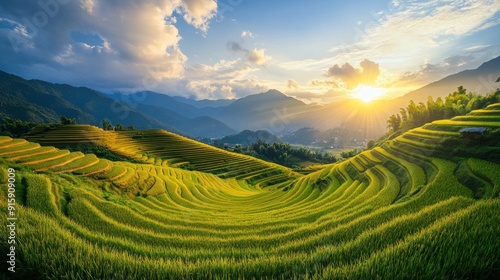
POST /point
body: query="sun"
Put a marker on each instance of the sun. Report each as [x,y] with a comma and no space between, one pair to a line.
[367,93]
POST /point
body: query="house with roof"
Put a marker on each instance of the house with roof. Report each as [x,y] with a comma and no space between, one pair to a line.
[473,132]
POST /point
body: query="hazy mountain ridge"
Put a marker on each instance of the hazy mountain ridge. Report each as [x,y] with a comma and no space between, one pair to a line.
[45,102]
[204,102]
[480,80]
[268,110]
[162,100]
[265,110]
[182,116]
[42,102]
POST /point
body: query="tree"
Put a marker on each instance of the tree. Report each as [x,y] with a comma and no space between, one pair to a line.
[498,80]
[66,121]
[106,125]
[404,115]
[119,127]
[15,128]
[458,103]
[349,154]
[237,148]
[394,122]
[370,144]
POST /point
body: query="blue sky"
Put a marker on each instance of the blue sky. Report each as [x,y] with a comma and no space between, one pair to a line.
[317,51]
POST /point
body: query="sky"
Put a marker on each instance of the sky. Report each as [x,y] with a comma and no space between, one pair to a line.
[317,51]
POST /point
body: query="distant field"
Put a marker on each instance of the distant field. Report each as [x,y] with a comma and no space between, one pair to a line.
[414,208]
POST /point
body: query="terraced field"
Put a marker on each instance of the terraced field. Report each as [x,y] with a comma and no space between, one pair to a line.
[413,208]
[163,148]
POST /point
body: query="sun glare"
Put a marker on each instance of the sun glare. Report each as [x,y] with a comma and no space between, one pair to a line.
[367,93]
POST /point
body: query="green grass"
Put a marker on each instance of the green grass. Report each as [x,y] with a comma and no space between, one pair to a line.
[39,194]
[489,171]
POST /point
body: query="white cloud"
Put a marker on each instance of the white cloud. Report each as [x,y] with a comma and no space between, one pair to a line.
[476,48]
[225,90]
[417,28]
[88,5]
[398,37]
[199,12]
[411,28]
[224,79]
[351,77]
[258,56]
[140,49]
[429,72]
[292,84]
[247,33]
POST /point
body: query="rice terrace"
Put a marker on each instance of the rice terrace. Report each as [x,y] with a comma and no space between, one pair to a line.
[250,140]
[388,212]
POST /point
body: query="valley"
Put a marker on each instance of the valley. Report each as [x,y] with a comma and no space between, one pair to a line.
[191,211]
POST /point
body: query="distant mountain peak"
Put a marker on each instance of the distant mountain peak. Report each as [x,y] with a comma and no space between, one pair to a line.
[275,92]
[490,64]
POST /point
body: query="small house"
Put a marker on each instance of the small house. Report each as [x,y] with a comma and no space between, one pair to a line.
[472,132]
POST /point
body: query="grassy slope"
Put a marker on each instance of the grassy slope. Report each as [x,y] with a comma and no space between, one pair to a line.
[163,148]
[396,211]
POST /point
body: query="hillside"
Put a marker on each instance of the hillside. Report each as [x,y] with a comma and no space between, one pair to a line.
[202,126]
[480,80]
[411,206]
[269,110]
[262,111]
[43,102]
[165,149]
[161,100]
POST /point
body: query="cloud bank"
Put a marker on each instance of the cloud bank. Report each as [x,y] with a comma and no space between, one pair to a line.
[351,77]
[140,41]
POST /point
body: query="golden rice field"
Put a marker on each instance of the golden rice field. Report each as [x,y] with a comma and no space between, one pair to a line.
[413,208]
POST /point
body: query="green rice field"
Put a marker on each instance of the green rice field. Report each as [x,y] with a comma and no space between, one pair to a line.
[413,208]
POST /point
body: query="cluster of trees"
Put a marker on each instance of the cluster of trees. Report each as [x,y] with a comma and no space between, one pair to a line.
[351,153]
[283,153]
[457,103]
[65,121]
[118,127]
[16,128]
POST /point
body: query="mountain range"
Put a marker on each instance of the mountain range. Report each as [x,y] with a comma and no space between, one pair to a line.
[40,101]
[44,102]
[481,80]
